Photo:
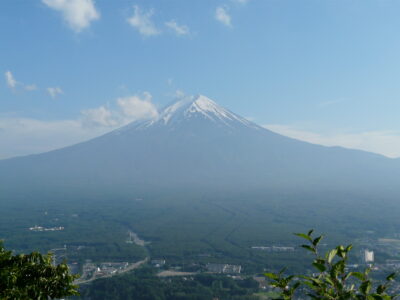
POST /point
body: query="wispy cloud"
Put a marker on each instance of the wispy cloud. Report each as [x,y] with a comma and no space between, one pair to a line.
[384,142]
[141,20]
[31,87]
[78,14]
[10,80]
[13,84]
[178,29]
[179,94]
[222,15]
[54,91]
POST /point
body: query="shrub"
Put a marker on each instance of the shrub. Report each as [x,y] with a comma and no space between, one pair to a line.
[332,280]
[32,276]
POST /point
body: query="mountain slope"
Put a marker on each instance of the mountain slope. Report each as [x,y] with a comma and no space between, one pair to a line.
[197,144]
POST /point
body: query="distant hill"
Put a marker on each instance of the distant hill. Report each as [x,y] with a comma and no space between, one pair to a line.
[198,145]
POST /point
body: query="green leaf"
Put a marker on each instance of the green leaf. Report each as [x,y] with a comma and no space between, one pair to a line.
[319,266]
[347,276]
[358,275]
[309,284]
[271,275]
[340,265]
[391,277]
[365,287]
[296,285]
[316,281]
[329,281]
[304,236]
[331,255]
[320,261]
[337,269]
[309,248]
[289,278]
[341,252]
[348,248]
[310,232]
[317,240]
[380,289]
[281,271]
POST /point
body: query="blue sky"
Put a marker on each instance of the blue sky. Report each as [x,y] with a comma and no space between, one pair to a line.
[324,71]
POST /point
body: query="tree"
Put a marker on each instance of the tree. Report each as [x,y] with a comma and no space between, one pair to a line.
[32,276]
[332,280]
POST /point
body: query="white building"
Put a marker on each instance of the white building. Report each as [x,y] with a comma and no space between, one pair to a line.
[368,256]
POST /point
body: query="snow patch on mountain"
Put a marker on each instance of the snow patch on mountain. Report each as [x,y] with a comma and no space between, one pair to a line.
[200,105]
[192,107]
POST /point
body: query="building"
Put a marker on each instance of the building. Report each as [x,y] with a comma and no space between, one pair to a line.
[158,262]
[224,268]
[368,256]
[273,248]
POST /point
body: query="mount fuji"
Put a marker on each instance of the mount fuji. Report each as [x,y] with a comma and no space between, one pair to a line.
[197,144]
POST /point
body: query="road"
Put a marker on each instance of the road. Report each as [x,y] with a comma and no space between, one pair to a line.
[170,273]
[129,268]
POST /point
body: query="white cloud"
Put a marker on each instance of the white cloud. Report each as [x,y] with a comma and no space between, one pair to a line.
[10,80]
[136,107]
[178,29]
[77,13]
[31,87]
[12,83]
[128,109]
[241,1]
[179,94]
[221,15]
[141,20]
[99,116]
[54,91]
[383,142]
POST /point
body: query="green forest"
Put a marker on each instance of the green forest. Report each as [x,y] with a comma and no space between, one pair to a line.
[144,284]
[190,232]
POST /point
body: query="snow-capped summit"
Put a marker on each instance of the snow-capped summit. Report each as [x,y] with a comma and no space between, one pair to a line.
[191,105]
[199,106]
[189,109]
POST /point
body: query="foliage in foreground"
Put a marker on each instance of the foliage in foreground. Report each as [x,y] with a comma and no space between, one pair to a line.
[32,276]
[332,279]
